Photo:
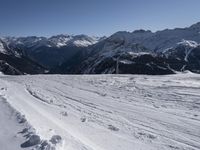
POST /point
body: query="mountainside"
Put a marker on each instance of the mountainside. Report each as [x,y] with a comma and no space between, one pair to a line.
[187,51]
[126,63]
[136,60]
[157,41]
[49,52]
[141,52]
[5,68]
[54,41]
[138,52]
[13,63]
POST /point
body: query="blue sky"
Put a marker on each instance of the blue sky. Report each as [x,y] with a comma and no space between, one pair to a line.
[93,17]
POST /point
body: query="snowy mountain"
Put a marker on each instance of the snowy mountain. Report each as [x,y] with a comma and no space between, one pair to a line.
[125,63]
[12,62]
[13,65]
[5,68]
[5,48]
[153,41]
[140,51]
[183,50]
[48,52]
[104,112]
[137,60]
[157,41]
[187,51]
[70,40]
[54,41]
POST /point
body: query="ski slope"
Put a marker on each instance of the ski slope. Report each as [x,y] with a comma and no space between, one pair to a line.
[100,112]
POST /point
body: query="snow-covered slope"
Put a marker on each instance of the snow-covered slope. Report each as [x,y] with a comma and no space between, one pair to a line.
[180,44]
[6,68]
[12,62]
[125,42]
[69,52]
[60,40]
[73,40]
[4,48]
[107,112]
[154,41]
[48,52]
[85,41]
[188,52]
[182,50]
[168,38]
[54,41]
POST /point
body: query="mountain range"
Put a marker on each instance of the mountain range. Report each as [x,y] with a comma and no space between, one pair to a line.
[139,52]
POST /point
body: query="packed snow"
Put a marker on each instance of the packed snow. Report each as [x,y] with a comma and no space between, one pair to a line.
[100,112]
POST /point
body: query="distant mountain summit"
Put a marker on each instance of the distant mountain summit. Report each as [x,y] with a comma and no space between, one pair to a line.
[48,52]
[70,40]
[54,41]
[157,41]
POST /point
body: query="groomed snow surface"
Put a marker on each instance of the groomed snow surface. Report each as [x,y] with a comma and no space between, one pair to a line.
[102,112]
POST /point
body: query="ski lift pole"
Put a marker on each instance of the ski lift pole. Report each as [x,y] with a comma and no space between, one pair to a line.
[117,65]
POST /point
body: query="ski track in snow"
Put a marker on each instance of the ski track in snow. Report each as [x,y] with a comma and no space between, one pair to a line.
[107,112]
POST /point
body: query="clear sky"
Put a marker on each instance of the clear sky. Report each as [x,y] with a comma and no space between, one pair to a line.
[93,17]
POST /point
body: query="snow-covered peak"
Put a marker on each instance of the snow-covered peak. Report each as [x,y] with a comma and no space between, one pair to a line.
[157,41]
[60,40]
[73,40]
[126,41]
[54,41]
[84,40]
[29,42]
